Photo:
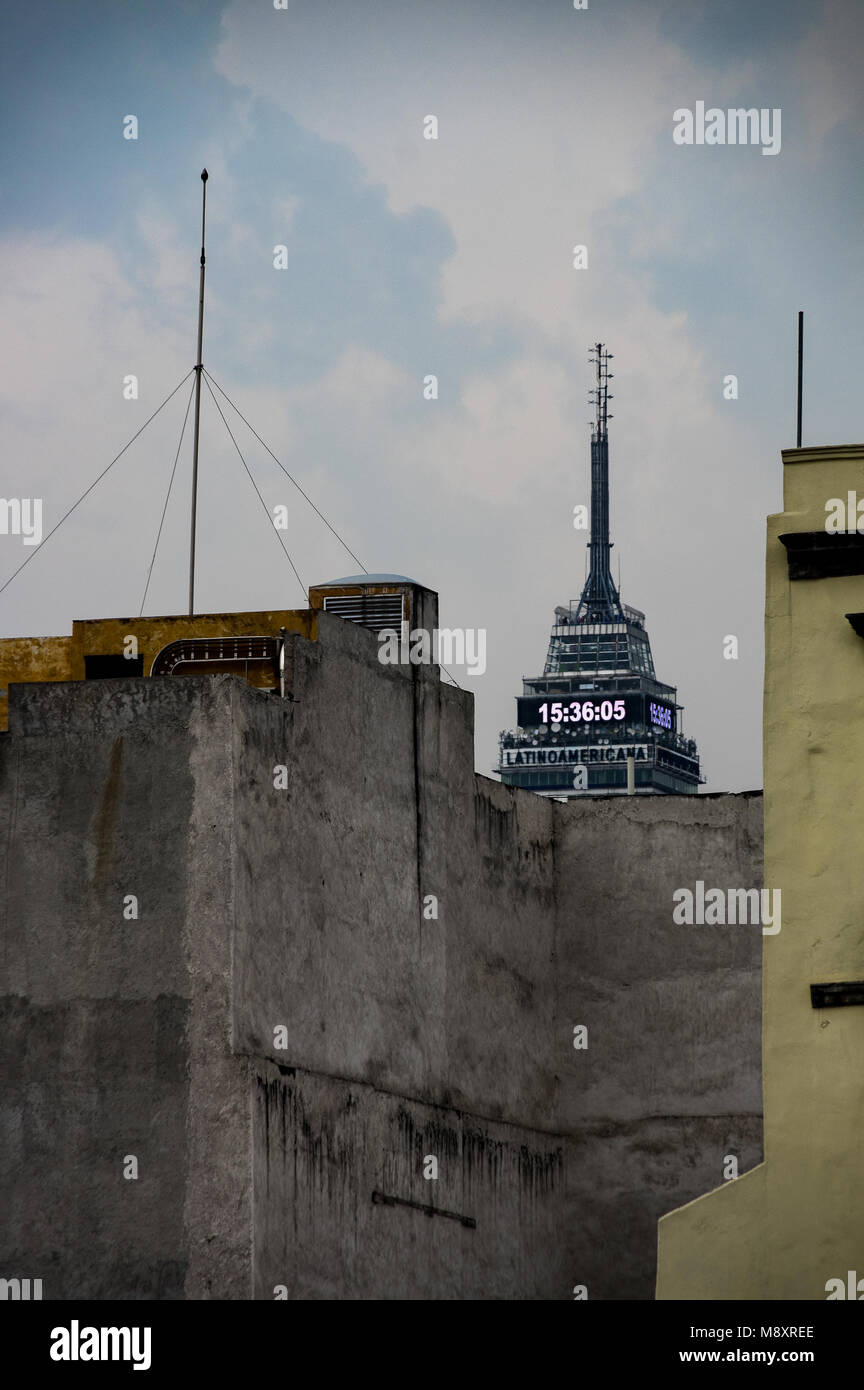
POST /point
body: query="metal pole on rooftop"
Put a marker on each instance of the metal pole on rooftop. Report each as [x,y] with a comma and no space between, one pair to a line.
[198,369]
[800,371]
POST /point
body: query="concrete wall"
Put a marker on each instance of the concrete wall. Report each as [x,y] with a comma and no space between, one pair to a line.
[670,1082]
[115,1032]
[300,908]
[323,1147]
[381,810]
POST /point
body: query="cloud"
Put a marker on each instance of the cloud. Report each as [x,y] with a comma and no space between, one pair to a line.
[532,146]
[830,56]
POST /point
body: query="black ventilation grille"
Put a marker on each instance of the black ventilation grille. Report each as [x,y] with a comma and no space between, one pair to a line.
[374,611]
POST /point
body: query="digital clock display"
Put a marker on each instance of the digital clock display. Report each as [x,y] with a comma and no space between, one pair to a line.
[594,707]
[660,714]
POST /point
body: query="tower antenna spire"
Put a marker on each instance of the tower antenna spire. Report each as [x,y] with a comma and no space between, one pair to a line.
[601,390]
[600,601]
[198,369]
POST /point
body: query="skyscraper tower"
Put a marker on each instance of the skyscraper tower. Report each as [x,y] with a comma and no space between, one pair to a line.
[598,720]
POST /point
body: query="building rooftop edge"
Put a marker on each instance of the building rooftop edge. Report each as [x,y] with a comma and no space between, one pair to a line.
[822,453]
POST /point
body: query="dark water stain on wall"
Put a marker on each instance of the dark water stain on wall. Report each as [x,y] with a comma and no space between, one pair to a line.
[494,828]
[107,815]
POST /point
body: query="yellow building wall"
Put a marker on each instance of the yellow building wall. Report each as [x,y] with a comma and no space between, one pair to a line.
[30,659]
[786,1228]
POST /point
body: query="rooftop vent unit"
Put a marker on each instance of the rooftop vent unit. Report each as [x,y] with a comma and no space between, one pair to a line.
[371,610]
[373,601]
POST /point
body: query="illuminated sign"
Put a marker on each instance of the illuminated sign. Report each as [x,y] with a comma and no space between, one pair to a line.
[551,757]
[595,707]
[660,714]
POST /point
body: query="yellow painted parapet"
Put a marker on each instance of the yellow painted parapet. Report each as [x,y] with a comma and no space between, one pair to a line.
[793,1228]
[27,660]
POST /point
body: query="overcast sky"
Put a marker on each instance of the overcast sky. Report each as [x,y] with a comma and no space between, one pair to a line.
[409,256]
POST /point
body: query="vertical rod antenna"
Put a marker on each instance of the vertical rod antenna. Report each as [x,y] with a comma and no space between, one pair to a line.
[198,369]
[800,371]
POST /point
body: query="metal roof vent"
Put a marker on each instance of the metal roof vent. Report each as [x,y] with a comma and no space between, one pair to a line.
[375,611]
[378,601]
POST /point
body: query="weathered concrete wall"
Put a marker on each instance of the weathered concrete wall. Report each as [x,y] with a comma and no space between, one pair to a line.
[672,1010]
[324,1147]
[115,1033]
[301,908]
[382,809]
[669,1084]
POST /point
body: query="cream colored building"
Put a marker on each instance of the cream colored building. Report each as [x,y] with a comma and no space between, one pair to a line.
[794,1223]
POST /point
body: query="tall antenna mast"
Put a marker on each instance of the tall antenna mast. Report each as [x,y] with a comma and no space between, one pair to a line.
[601,390]
[600,601]
[198,370]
